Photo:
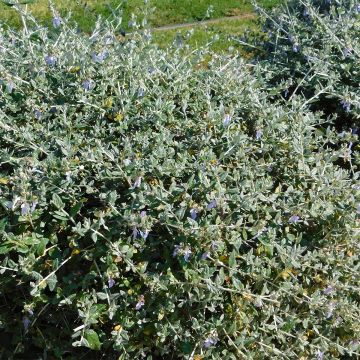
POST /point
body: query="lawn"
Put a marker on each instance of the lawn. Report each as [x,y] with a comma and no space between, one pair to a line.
[164,12]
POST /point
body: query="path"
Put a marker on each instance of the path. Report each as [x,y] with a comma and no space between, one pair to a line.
[204,22]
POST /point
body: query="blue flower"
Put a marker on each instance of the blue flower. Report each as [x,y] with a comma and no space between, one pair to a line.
[140,93]
[330,289]
[227,120]
[346,52]
[319,355]
[296,48]
[135,232]
[140,303]
[294,219]
[56,21]
[205,255]
[87,85]
[210,341]
[193,213]
[187,254]
[27,209]
[212,205]
[111,282]
[50,60]
[357,9]
[53,110]
[137,182]
[37,114]
[99,58]
[258,134]
[144,234]
[176,250]
[346,105]
[9,87]
[26,323]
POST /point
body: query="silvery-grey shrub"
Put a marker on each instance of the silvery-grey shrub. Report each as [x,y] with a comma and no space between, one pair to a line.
[312,48]
[160,204]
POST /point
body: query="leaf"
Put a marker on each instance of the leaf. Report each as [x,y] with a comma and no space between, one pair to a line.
[51,282]
[56,200]
[92,339]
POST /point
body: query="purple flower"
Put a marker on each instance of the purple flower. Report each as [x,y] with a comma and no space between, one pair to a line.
[33,206]
[87,85]
[329,290]
[210,341]
[227,120]
[354,343]
[319,355]
[205,255]
[176,250]
[26,322]
[214,245]
[56,21]
[25,209]
[140,93]
[211,205]
[346,105]
[137,182]
[143,214]
[346,52]
[187,254]
[296,48]
[9,87]
[330,309]
[140,303]
[151,70]
[193,213]
[99,58]
[135,232]
[50,60]
[258,134]
[144,234]
[111,282]
[294,219]
[37,114]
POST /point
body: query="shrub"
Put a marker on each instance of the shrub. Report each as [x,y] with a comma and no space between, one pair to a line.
[312,48]
[156,205]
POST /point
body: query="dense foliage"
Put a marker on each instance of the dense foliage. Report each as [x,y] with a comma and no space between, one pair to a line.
[158,205]
[313,48]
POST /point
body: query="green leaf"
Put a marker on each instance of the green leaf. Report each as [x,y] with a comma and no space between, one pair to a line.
[92,339]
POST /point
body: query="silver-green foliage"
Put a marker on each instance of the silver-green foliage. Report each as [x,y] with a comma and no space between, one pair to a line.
[312,48]
[156,204]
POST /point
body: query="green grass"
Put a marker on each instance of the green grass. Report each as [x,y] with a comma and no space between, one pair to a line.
[165,12]
[205,34]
